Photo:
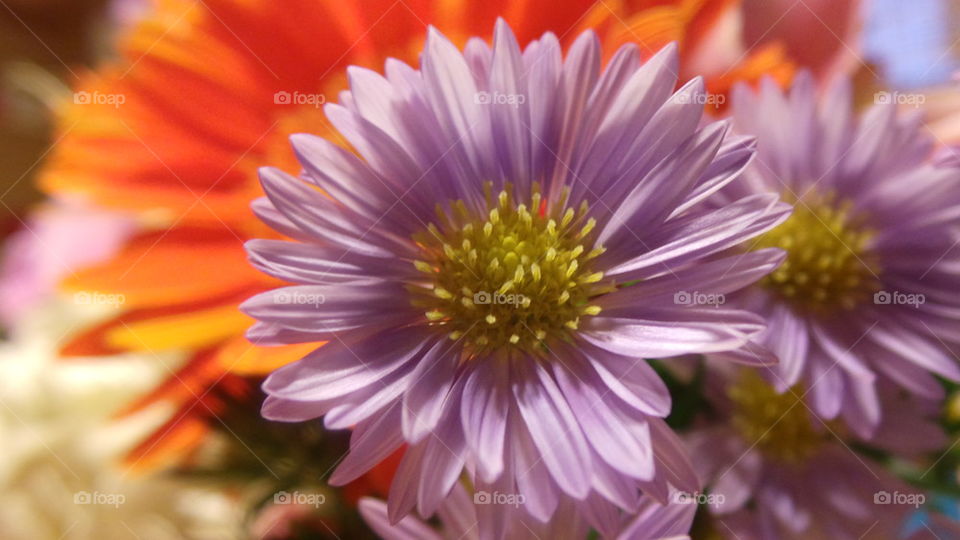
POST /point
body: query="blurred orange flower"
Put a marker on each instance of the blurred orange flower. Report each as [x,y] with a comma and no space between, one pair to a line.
[206,92]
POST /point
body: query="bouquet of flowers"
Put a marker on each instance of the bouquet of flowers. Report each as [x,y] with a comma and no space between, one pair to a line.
[411,269]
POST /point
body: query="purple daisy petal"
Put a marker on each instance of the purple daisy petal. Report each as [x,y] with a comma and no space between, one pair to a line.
[484,410]
[372,441]
[624,447]
[774,467]
[424,401]
[337,369]
[374,512]
[555,431]
[642,332]
[655,521]
[866,292]
[327,310]
[460,517]
[466,263]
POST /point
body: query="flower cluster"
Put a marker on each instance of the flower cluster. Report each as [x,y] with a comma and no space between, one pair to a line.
[630,272]
[598,199]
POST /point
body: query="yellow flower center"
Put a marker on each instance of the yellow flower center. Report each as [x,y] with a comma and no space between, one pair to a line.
[515,275]
[828,263]
[779,425]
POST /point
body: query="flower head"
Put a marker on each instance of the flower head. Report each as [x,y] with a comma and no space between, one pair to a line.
[868,282]
[468,265]
[775,469]
[458,519]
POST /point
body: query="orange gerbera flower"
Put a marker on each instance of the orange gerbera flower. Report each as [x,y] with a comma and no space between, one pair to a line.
[204,94]
[703,29]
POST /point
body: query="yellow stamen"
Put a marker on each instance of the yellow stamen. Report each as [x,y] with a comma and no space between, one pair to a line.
[510,275]
[829,264]
[780,425]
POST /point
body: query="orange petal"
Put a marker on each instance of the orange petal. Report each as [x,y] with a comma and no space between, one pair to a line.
[166,446]
[701,16]
[192,380]
[189,426]
[189,330]
[815,33]
[651,29]
[99,339]
[113,154]
[173,267]
[241,357]
[768,60]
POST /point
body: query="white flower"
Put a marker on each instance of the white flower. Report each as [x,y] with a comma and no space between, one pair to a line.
[60,471]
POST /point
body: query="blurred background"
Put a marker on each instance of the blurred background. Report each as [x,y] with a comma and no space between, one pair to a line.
[43,44]
[57,425]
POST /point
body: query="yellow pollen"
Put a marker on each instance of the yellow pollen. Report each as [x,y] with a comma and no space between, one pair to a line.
[829,264]
[779,425]
[511,275]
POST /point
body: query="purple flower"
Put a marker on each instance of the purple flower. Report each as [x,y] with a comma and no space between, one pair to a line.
[870,280]
[774,469]
[458,520]
[58,240]
[469,266]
